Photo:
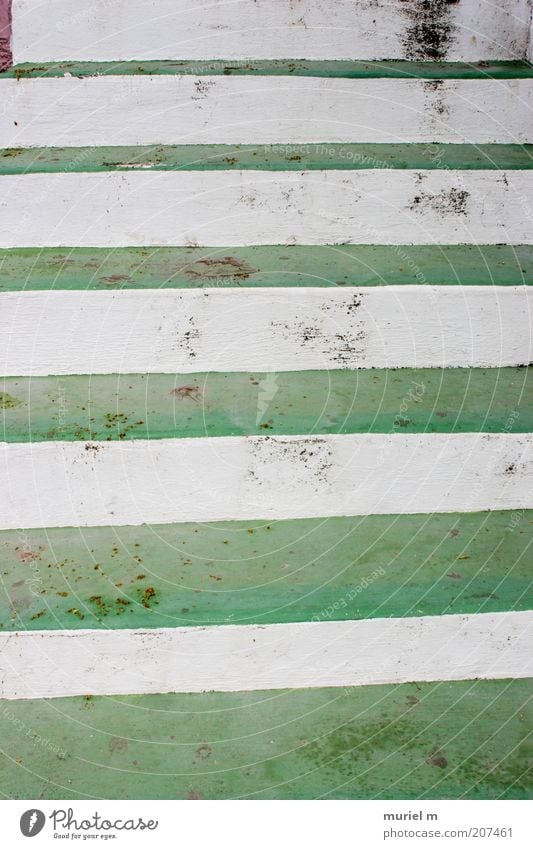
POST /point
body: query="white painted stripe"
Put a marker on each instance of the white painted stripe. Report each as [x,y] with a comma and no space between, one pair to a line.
[284,329]
[129,110]
[251,207]
[49,30]
[47,664]
[56,484]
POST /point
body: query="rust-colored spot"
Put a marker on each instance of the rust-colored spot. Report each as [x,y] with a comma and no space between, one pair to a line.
[116,278]
[219,268]
[188,391]
[26,555]
[193,794]
[436,758]
[482,595]
[203,752]
[147,595]
[38,614]
[7,402]
[100,604]
[117,744]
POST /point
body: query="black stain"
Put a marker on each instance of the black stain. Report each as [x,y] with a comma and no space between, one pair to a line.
[450,202]
[430,31]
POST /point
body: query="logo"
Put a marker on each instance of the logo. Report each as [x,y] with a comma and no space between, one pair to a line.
[32,822]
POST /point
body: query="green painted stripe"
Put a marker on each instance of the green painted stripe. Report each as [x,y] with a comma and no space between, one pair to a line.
[300,570]
[282,67]
[288,157]
[70,268]
[466,739]
[160,406]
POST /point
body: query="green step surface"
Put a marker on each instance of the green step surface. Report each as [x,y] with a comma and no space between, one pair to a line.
[348,69]
[271,157]
[138,406]
[296,570]
[467,739]
[69,268]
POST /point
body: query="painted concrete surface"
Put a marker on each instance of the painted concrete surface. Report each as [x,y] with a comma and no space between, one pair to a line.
[70,268]
[187,208]
[442,740]
[268,330]
[357,559]
[231,658]
[57,484]
[336,569]
[183,109]
[493,69]
[160,406]
[282,157]
[314,29]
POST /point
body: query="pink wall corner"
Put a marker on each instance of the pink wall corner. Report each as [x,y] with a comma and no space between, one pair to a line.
[6,57]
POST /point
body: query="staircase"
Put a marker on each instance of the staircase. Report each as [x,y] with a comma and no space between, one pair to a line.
[265,345]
